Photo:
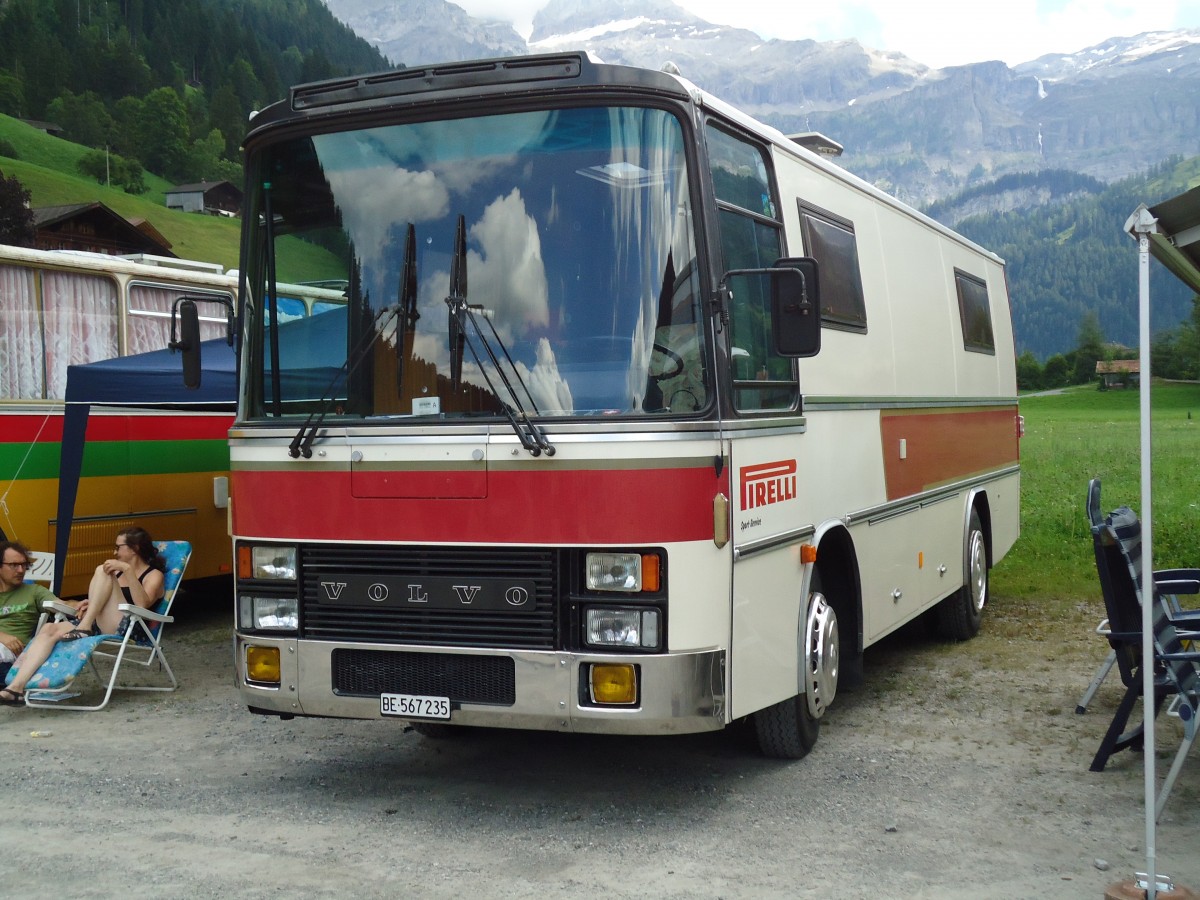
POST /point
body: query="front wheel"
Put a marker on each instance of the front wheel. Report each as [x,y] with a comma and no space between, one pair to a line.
[789,728]
[960,615]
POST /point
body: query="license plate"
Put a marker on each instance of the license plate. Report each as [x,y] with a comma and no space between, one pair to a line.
[414,706]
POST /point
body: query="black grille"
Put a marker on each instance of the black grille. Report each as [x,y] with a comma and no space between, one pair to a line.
[464,679]
[536,630]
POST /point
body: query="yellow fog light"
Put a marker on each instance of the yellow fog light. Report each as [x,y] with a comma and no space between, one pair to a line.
[262,665]
[614,684]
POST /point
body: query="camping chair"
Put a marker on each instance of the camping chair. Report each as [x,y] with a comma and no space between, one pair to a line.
[1184,581]
[1117,542]
[139,644]
[42,568]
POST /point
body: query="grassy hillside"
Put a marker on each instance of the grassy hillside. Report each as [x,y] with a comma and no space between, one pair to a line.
[47,166]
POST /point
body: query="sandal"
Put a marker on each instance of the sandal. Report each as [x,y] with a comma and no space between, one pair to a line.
[74,634]
[11,698]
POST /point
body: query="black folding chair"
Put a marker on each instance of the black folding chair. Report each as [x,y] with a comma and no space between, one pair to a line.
[1182,579]
[1117,541]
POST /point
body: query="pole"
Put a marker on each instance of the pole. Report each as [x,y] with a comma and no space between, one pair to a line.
[1147,551]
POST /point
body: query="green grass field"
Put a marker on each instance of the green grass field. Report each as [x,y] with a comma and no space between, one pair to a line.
[1073,436]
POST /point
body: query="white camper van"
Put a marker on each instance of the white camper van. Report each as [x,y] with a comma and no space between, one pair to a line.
[639,417]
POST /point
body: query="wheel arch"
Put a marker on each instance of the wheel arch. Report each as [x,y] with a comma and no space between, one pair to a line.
[977,501]
[837,562]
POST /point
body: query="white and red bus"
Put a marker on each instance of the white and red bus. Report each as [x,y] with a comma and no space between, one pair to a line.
[639,417]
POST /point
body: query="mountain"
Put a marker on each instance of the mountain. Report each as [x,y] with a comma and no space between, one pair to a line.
[1039,162]
[919,132]
[426,31]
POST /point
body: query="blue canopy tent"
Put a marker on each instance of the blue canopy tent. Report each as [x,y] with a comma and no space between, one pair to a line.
[311,353]
[145,380]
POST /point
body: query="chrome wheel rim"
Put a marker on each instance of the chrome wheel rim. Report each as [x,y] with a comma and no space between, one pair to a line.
[977,570]
[821,656]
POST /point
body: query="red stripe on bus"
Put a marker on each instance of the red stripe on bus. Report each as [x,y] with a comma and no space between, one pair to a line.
[539,507]
[156,427]
[944,446]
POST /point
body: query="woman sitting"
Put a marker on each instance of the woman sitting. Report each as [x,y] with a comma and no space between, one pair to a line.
[134,575]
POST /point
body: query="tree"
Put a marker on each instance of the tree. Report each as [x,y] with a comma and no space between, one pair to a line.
[162,130]
[1089,348]
[1029,372]
[1056,372]
[16,218]
[83,117]
[227,116]
[109,168]
[205,162]
[12,94]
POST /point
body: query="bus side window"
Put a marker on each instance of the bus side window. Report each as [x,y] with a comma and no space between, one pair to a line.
[975,313]
[831,241]
[80,321]
[751,238]
[21,374]
[150,316]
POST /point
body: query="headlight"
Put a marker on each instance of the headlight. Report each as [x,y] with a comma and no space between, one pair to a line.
[262,665]
[627,572]
[268,613]
[268,562]
[622,628]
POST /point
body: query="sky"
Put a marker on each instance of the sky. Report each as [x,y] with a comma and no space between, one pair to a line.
[937,33]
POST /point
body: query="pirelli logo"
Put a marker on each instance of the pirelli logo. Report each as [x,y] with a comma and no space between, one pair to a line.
[767,483]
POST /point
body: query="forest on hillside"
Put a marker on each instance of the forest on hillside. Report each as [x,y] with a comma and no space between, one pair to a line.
[1073,258]
[168,86]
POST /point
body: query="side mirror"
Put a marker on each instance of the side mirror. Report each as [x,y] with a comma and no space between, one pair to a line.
[189,343]
[796,307]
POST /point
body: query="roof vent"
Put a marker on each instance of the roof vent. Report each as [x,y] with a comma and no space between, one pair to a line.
[817,143]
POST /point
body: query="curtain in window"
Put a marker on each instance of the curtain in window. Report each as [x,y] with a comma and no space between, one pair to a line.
[20,336]
[150,317]
[81,324]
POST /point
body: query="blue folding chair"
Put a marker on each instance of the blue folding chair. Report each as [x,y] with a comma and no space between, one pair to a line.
[139,643]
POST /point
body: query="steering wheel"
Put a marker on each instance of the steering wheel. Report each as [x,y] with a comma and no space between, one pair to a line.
[673,357]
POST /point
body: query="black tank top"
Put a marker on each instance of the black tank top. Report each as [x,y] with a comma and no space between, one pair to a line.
[128,594]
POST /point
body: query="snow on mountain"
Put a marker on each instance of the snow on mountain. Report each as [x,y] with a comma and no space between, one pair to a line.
[923,133]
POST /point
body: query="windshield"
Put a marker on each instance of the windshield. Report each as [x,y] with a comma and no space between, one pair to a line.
[541,263]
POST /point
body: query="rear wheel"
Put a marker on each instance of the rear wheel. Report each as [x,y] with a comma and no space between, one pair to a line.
[960,615]
[789,729]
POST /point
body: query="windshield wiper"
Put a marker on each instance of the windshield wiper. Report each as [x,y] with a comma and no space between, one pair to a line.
[406,302]
[301,444]
[461,314]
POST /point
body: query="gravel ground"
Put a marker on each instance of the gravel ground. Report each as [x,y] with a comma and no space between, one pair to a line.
[941,777]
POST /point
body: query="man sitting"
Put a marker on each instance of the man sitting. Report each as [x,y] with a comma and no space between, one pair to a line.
[20,607]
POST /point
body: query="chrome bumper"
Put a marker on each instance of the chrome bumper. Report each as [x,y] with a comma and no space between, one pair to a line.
[680,692]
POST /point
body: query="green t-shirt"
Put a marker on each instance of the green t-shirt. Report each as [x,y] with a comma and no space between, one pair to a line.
[19,609]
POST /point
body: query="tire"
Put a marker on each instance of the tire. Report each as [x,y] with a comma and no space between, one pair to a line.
[960,615]
[789,729]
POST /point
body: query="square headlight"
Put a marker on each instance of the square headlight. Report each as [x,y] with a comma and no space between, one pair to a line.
[622,628]
[268,613]
[614,572]
[273,562]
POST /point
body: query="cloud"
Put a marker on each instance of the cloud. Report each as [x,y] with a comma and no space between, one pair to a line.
[383,195]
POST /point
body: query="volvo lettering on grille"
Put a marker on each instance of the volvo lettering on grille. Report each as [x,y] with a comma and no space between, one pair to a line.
[428,592]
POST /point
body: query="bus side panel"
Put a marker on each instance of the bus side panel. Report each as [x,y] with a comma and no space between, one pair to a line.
[774,487]
[154,470]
